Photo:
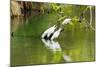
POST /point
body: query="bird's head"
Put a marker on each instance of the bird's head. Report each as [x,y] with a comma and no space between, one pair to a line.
[67,21]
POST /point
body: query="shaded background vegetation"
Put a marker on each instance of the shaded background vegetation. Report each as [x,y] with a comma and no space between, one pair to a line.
[39,11]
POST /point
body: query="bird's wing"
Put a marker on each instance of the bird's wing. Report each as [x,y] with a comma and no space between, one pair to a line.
[49,31]
[45,33]
[56,34]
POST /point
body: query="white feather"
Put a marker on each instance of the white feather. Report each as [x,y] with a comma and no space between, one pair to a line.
[49,31]
[56,34]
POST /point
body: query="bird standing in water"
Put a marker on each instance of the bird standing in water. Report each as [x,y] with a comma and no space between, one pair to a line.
[54,31]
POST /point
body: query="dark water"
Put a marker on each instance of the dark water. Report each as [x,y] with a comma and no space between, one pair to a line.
[75,43]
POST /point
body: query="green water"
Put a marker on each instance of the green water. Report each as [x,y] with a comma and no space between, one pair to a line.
[27,48]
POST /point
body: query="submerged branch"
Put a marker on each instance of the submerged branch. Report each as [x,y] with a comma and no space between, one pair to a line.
[90,7]
[90,15]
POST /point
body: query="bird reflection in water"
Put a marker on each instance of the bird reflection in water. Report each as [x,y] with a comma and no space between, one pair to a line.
[52,45]
[55,48]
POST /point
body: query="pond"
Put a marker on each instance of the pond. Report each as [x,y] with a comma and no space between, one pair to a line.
[27,47]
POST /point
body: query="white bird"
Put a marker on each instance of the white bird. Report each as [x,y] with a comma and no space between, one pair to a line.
[52,32]
[56,33]
[49,31]
[66,21]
